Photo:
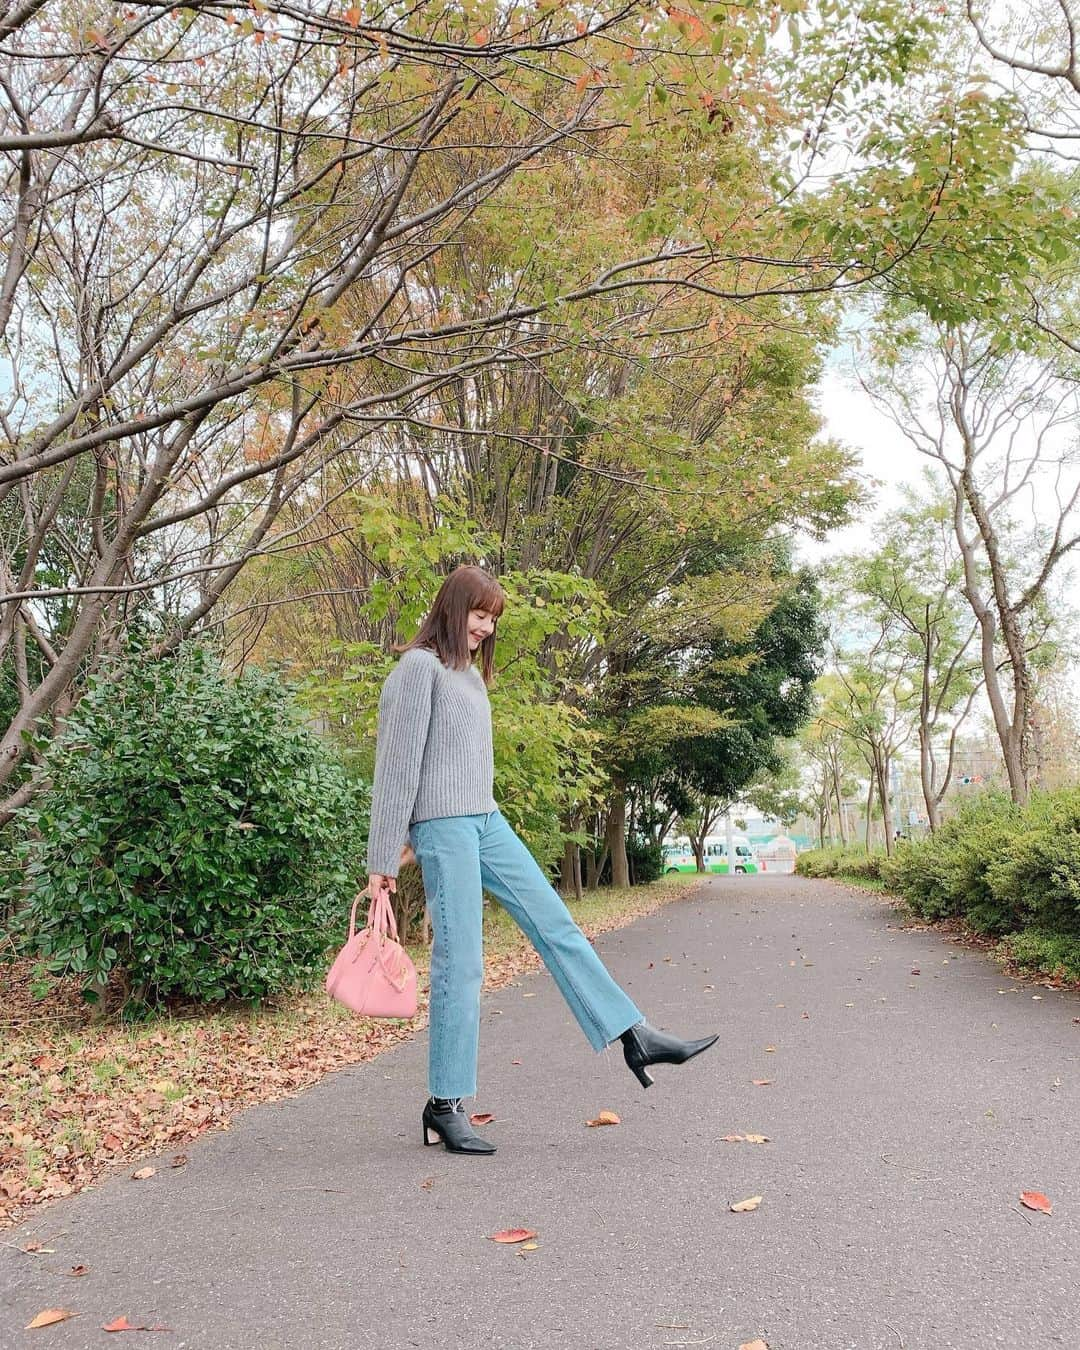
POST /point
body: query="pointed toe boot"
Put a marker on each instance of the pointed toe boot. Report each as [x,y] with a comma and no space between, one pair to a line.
[444,1121]
[644,1045]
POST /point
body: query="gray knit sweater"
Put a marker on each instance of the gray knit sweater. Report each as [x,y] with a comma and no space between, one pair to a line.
[433,754]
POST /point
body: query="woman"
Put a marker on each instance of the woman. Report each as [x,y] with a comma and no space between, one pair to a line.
[433,779]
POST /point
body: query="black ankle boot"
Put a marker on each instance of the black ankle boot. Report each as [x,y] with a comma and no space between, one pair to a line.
[644,1045]
[445,1119]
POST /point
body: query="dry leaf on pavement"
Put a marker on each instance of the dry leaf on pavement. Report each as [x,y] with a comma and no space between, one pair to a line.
[745,1206]
[144,1173]
[48,1316]
[1036,1200]
[759,1344]
[481,1118]
[605,1118]
[513,1235]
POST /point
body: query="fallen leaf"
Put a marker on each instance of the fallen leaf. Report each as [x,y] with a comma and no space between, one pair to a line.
[427,1183]
[179,1161]
[513,1235]
[757,1138]
[36,1249]
[481,1118]
[1036,1200]
[112,1142]
[122,1324]
[47,1063]
[143,1173]
[79,1270]
[759,1344]
[770,1049]
[605,1118]
[731,1139]
[745,1206]
[915,970]
[530,1246]
[760,1082]
[530,994]
[49,1316]
[515,1061]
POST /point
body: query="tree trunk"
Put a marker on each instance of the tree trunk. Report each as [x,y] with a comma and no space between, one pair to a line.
[616,836]
[869,810]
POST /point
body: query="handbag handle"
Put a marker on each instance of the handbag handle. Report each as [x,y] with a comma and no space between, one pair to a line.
[380,915]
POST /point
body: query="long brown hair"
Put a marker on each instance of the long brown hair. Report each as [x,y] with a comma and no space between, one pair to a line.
[445,631]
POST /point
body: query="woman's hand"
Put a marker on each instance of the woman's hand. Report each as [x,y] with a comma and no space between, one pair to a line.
[407,855]
[376,882]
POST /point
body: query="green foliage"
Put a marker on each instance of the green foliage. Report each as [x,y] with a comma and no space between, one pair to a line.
[1002,868]
[840,862]
[1036,949]
[646,859]
[195,837]
[947,874]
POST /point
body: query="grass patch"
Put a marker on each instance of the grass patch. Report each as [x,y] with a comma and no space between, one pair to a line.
[80,1097]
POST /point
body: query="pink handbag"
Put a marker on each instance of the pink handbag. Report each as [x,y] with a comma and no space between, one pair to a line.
[373,973]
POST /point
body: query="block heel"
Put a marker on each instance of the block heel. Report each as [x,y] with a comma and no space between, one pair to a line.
[644,1045]
[447,1121]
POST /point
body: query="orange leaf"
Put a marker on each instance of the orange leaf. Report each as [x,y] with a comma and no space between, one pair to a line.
[143,1173]
[122,1324]
[49,1316]
[353,15]
[112,1142]
[605,1118]
[513,1235]
[481,1118]
[582,26]
[583,80]
[481,36]
[759,1344]
[745,1206]
[760,1082]
[1036,1200]
[79,1270]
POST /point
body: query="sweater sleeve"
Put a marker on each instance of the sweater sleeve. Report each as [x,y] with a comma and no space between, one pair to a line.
[404,717]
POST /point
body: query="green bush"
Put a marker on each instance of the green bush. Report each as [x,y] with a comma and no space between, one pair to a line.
[947,874]
[195,837]
[840,862]
[1056,954]
[646,860]
[1036,873]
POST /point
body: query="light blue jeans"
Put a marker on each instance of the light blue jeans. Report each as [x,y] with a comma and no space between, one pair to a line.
[460,856]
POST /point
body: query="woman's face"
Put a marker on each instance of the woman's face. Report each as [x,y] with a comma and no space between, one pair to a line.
[481,624]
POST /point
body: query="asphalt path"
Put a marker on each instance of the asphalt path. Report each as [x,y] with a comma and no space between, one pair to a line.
[914,1093]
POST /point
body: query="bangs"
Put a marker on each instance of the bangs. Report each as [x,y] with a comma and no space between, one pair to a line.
[487,594]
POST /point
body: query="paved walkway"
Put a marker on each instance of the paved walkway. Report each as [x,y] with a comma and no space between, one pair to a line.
[906,1113]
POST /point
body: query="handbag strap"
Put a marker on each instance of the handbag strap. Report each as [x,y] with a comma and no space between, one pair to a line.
[380,916]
